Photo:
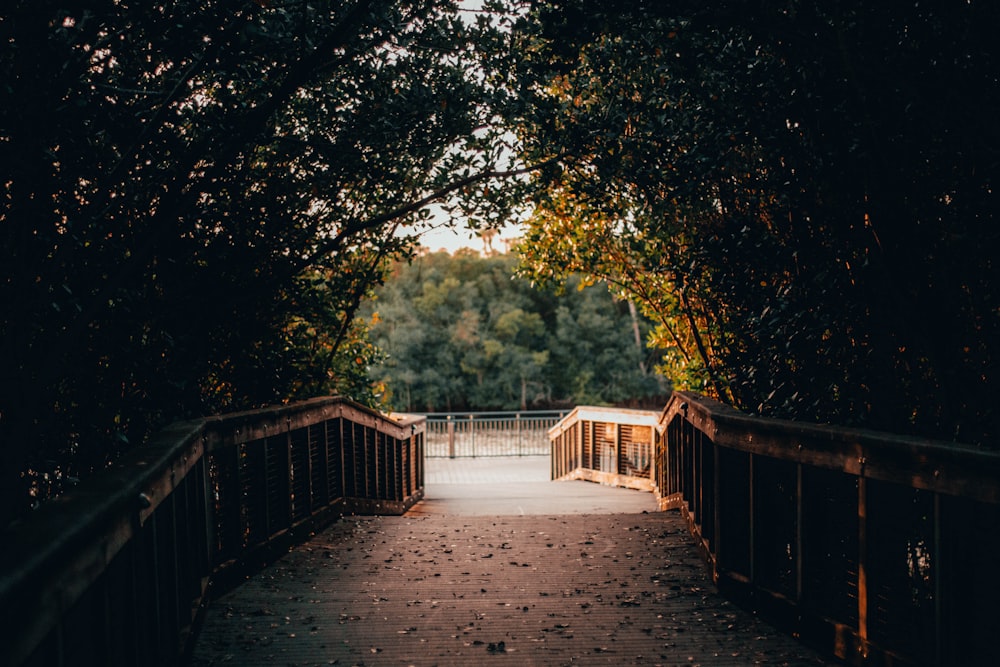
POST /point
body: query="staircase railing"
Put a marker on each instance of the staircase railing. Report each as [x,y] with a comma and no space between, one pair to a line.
[115,571]
[881,548]
[607,445]
[878,548]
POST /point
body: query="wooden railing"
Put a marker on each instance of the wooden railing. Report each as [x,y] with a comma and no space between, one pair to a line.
[115,572]
[607,445]
[878,548]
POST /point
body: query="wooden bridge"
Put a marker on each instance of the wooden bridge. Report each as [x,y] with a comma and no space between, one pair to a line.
[868,548]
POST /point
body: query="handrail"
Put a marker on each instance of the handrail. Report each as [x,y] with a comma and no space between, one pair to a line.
[880,548]
[613,446]
[943,467]
[114,571]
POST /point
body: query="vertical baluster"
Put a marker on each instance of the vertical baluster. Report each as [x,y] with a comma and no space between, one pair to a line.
[340,456]
[286,479]
[862,564]
[173,584]
[311,450]
[419,463]
[409,465]
[939,593]
[391,460]
[716,501]
[752,473]
[799,555]
[266,479]
[374,472]
[382,465]
[206,507]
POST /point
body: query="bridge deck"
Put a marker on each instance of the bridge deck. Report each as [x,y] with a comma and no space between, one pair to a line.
[477,573]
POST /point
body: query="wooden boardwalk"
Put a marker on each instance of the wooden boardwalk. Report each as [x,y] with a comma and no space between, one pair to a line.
[610,583]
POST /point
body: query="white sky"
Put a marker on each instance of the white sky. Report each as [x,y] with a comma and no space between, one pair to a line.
[444,238]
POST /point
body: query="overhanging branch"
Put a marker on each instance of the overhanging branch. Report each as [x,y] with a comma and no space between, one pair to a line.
[334,244]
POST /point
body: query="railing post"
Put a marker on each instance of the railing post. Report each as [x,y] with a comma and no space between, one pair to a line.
[420,453]
[556,466]
[938,584]
[862,563]
[753,519]
[286,495]
[716,503]
[592,442]
[698,476]
[517,433]
[310,491]
[652,456]
[617,449]
[798,533]
[342,456]
[265,445]
[472,433]
[451,438]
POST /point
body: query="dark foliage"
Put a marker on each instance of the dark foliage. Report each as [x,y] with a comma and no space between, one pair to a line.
[197,195]
[805,195]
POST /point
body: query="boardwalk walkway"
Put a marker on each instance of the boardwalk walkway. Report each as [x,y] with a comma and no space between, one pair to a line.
[494,570]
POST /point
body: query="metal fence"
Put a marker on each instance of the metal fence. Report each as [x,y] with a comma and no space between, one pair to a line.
[472,434]
[114,572]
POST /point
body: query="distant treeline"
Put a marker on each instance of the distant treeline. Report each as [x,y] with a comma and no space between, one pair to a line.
[462,332]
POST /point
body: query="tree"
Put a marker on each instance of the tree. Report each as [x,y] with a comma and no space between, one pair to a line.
[462,332]
[197,197]
[592,358]
[781,187]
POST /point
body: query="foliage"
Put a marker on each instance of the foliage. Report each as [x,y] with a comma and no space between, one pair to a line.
[196,196]
[460,332]
[802,196]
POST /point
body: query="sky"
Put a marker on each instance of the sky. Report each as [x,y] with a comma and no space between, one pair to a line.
[445,238]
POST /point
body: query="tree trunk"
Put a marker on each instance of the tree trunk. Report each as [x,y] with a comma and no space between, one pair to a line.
[638,336]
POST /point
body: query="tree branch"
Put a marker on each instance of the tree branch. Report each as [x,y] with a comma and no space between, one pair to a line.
[349,230]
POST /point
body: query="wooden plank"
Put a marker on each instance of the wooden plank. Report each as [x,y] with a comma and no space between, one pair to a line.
[586,589]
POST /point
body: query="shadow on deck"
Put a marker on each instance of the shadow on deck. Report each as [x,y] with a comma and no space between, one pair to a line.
[496,564]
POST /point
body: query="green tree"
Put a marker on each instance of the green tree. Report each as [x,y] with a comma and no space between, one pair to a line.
[515,359]
[462,332]
[592,358]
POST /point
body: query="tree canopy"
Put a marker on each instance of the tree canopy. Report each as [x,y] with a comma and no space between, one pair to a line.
[462,333]
[198,195]
[802,195]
